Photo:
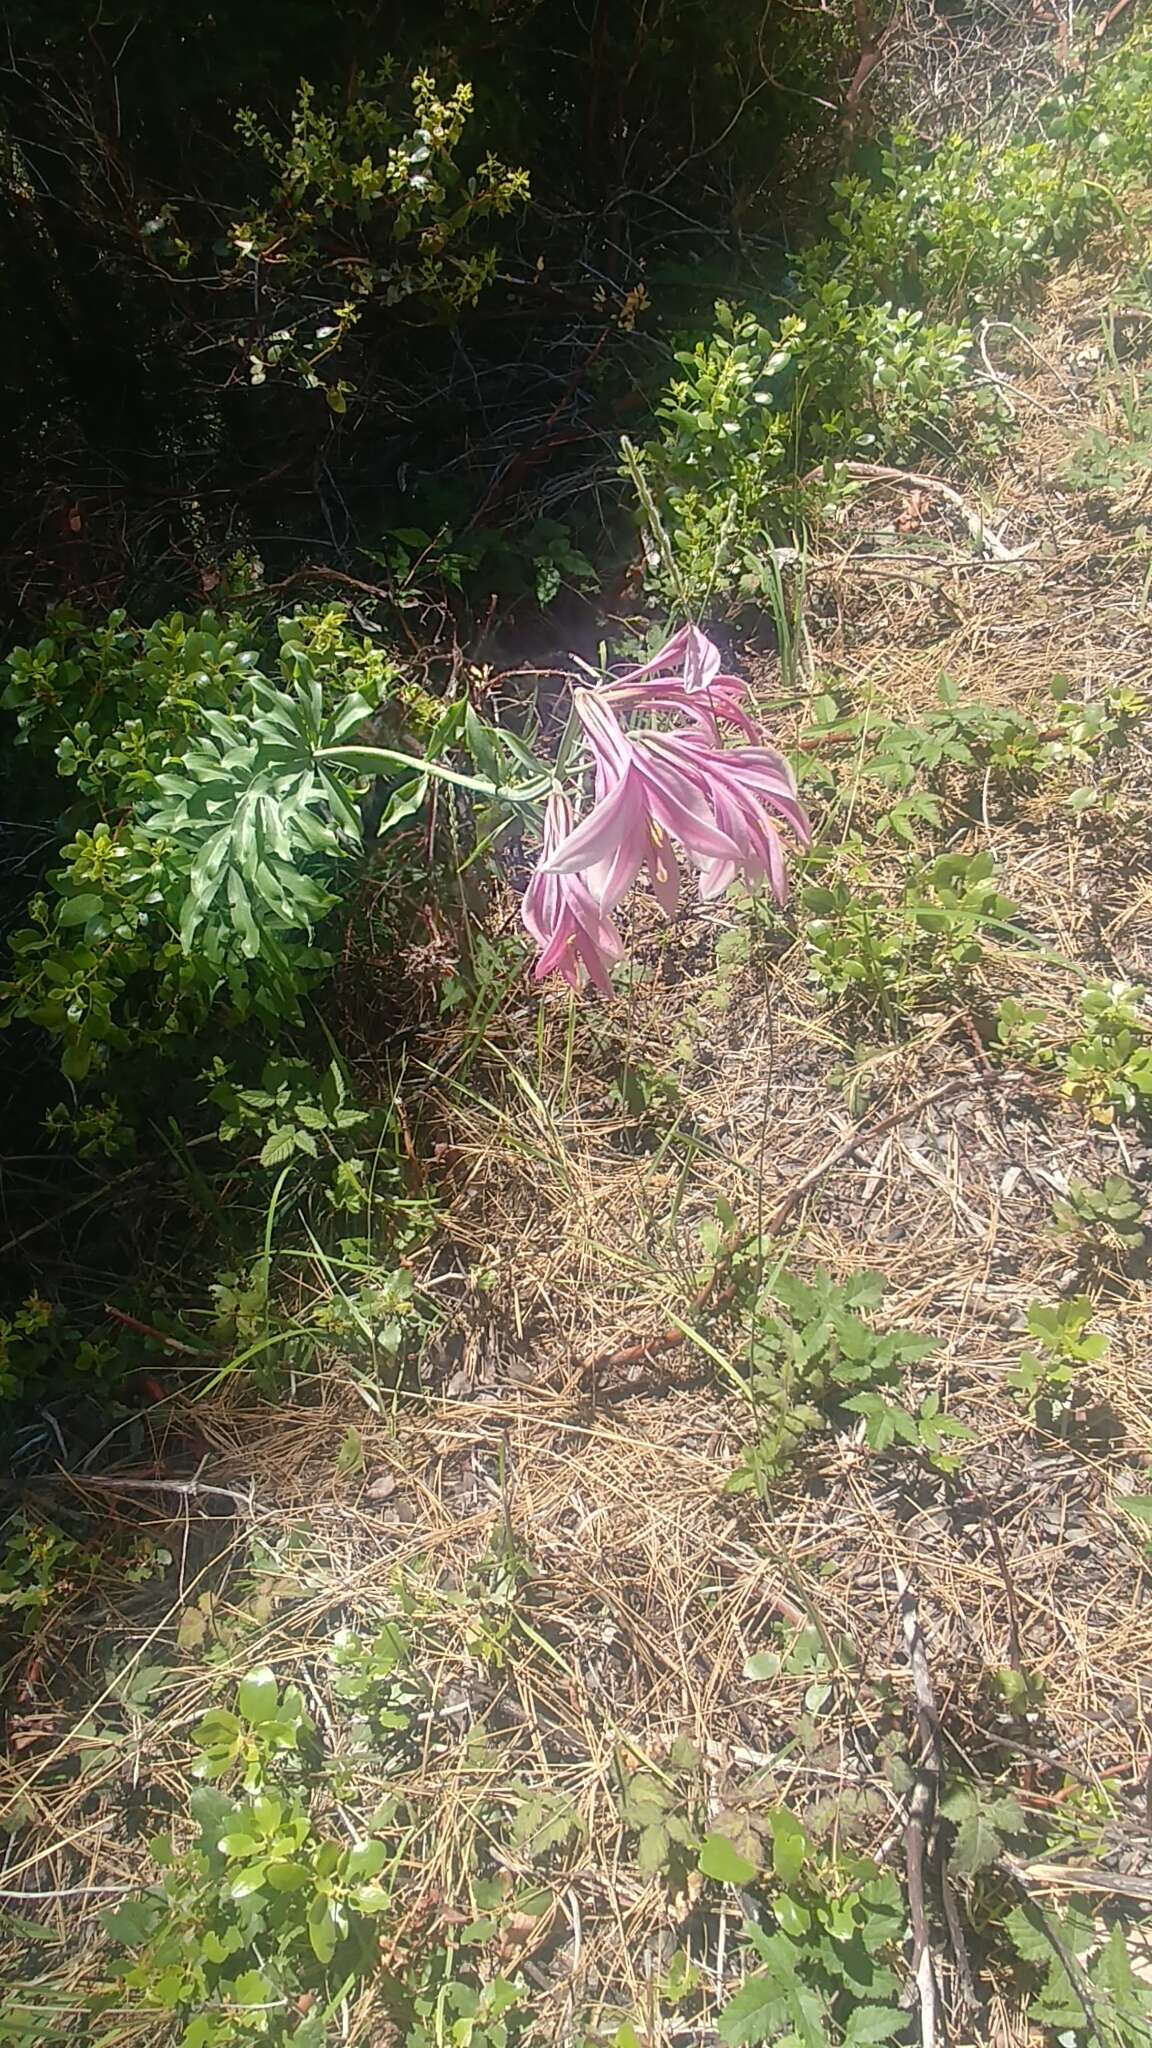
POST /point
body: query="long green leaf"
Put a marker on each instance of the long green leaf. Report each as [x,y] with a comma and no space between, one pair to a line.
[383,761]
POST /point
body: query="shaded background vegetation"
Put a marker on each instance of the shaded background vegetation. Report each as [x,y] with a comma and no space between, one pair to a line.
[657,139]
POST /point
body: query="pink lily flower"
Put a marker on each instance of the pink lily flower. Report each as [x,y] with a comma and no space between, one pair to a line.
[568,925]
[745,786]
[700,690]
[644,800]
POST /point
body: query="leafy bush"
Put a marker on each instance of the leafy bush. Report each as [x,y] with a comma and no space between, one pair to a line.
[757,404]
[208,840]
[1106,1066]
[899,954]
[393,188]
[825,1968]
[38,1343]
[871,353]
[250,1917]
[962,229]
[1101,1220]
[810,1355]
[1064,1343]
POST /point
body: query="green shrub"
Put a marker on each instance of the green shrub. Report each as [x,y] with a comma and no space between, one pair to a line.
[208,843]
[871,352]
[1106,1065]
[904,952]
[760,404]
[390,186]
[961,230]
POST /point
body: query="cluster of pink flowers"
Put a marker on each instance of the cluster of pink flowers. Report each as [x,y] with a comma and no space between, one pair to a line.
[722,804]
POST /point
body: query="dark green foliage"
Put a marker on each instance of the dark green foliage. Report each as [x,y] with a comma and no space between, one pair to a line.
[253,248]
[812,1356]
[1103,1220]
[824,1971]
[207,838]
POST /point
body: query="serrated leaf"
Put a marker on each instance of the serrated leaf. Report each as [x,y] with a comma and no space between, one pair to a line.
[278,1146]
[653,1845]
[1028,1938]
[978,1845]
[312,1118]
[758,2012]
[870,2023]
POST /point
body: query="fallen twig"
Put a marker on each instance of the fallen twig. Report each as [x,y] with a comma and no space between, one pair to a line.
[982,534]
[185,1489]
[706,1295]
[921,1810]
[149,1330]
[1069,1877]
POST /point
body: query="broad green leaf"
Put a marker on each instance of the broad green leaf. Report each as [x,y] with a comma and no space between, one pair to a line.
[322,1930]
[403,803]
[133,1921]
[367,1859]
[238,1845]
[789,1845]
[758,2012]
[252,1989]
[78,909]
[278,1146]
[247,1881]
[794,1918]
[373,1898]
[256,1696]
[720,1860]
[267,1813]
[977,1846]
[764,1665]
[243,915]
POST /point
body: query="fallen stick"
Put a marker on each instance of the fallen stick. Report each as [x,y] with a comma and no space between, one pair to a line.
[184,1489]
[982,534]
[128,1322]
[921,1810]
[706,1295]
[1069,1877]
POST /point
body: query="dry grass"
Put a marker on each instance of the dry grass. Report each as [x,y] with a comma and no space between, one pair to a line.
[639,1588]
